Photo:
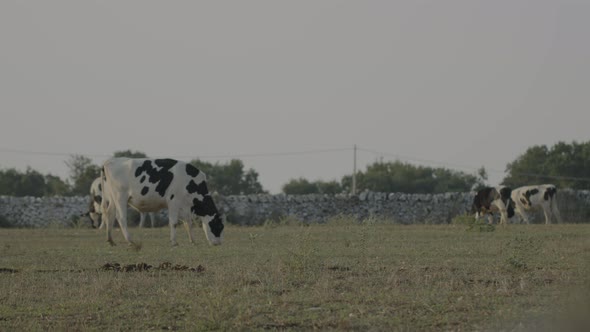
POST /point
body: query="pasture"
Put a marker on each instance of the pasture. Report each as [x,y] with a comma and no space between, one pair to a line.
[336,276]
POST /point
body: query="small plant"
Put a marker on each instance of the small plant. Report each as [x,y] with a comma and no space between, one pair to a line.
[473,224]
[463,219]
[303,260]
[517,262]
[342,220]
[523,248]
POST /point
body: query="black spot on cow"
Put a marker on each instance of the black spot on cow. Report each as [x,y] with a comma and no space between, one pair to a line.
[99,187]
[145,190]
[200,188]
[171,197]
[163,177]
[142,179]
[483,200]
[510,208]
[505,194]
[192,171]
[528,195]
[549,193]
[98,199]
[216,225]
[206,207]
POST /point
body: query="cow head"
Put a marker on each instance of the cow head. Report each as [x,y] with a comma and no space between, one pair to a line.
[212,223]
[213,229]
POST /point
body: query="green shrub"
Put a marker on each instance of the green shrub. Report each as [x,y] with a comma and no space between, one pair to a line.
[475,225]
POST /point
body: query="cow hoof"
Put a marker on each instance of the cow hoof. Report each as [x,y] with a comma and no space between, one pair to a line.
[174,244]
[135,246]
[112,243]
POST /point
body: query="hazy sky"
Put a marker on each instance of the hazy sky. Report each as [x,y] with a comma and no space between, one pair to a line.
[467,83]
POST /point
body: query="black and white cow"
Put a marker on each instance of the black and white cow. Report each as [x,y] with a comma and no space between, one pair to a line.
[153,184]
[493,199]
[534,197]
[95,210]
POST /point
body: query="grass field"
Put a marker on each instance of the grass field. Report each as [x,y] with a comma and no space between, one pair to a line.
[337,276]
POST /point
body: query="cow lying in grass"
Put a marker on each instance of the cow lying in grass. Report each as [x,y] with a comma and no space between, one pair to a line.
[149,185]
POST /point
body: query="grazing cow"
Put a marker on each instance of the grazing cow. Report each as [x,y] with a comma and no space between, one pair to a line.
[153,184]
[533,197]
[489,200]
[95,211]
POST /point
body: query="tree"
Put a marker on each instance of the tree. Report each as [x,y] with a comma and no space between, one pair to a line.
[82,173]
[403,177]
[299,186]
[54,185]
[129,154]
[565,165]
[30,183]
[302,186]
[230,178]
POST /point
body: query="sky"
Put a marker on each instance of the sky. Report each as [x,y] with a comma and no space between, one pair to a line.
[289,87]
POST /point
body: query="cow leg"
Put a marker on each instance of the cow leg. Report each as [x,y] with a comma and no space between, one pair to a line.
[141,219]
[121,206]
[172,220]
[188,225]
[478,216]
[153,219]
[547,213]
[109,220]
[503,217]
[523,215]
[101,222]
[555,210]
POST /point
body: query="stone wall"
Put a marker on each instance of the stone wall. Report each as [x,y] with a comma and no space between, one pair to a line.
[256,209]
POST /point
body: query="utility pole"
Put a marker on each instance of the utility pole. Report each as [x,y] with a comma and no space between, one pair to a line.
[354,172]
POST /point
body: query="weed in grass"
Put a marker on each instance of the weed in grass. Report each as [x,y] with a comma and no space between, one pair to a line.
[473,225]
[522,248]
[302,261]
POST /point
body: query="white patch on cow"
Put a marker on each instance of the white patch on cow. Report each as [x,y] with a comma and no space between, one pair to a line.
[536,201]
[96,216]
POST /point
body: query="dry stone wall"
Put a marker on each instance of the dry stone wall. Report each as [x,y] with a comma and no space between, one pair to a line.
[256,209]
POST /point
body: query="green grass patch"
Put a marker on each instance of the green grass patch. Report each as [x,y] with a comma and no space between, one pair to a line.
[342,275]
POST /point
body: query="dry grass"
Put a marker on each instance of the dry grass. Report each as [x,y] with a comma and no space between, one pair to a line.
[339,276]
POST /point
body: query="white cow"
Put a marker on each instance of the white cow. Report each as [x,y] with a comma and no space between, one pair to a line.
[152,184]
[533,197]
[493,199]
[95,211]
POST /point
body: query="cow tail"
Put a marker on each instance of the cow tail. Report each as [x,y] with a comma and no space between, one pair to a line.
[103,181]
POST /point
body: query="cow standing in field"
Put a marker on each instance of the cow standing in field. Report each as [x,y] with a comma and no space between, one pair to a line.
[149,185]
[95,210]
[493,199]
[533,197]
